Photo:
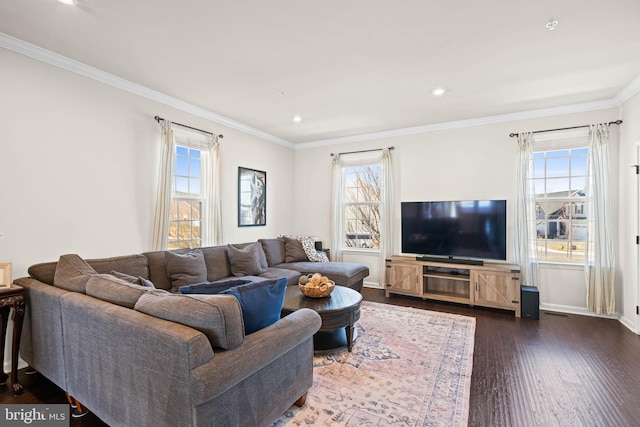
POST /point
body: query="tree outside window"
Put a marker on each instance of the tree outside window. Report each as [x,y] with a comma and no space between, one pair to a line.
[362,206]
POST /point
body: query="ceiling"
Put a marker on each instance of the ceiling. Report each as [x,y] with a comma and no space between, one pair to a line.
[347,67]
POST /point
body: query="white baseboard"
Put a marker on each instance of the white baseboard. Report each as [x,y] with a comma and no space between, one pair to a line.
[374,285]
[576,310]
[7,364]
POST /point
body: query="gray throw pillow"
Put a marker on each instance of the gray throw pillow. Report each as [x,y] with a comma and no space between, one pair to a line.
[274,251]
[245,261]
[293,250]
[72,273]
[132,279]
[185,269]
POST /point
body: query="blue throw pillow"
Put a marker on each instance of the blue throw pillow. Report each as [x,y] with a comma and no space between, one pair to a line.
[212,287]
[261,302]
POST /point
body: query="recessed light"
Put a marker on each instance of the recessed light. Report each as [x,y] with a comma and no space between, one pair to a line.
[551,25]
[438,91]
[69,2]
[297,118]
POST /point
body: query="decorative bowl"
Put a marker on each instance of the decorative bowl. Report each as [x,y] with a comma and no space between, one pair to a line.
[317,291]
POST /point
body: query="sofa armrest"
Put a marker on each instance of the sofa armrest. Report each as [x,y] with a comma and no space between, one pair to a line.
[41,344]
[258,350]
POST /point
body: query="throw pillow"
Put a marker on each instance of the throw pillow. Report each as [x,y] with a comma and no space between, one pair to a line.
[261,302]
[212,287]
[216,316]
[245,261]
[132,279]
[274,251]
[293,250]
[310,250]
[72,273]
[185,269]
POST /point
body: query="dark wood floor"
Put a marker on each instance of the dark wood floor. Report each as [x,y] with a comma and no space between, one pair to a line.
[561,370]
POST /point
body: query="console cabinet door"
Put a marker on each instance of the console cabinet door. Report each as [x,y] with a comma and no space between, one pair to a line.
[404,279]
[498,289]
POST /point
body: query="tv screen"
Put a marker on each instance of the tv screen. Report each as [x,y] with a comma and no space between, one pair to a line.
[465,229]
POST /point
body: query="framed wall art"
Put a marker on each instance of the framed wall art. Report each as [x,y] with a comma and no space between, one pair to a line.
[5,275]
[252,197]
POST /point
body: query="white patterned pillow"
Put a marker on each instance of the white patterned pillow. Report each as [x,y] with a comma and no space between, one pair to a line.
[309,248]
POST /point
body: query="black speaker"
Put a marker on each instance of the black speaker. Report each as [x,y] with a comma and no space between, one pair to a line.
[530,302]
[318,245]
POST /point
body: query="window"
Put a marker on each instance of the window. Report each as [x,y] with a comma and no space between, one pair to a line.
[560,180]
[362,206]
[187,200]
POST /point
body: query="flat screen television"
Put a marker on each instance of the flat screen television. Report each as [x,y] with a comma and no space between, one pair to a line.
[470,229]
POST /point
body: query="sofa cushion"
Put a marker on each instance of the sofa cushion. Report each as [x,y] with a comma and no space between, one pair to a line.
[219,317]
[342,273]
[212,287]
[135,265]
[185,269]
[72,273]
[274,251]
[293,250]
[245,261]
[261,302]
[278,273]
[110,288]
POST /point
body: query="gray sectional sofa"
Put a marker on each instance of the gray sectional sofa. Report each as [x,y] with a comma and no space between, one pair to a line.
[112,335]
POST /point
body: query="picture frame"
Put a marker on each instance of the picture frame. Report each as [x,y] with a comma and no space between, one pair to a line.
[252,197]
[5,275]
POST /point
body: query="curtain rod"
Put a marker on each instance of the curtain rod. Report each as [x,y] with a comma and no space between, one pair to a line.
[362,151]
[617,122]
[158,119]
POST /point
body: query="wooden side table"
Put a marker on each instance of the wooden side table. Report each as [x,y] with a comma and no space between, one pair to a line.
[12,298]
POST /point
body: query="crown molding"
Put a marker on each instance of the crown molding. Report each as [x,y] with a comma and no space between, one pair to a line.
[60,61]
[52,58]
[458,124]
[627,92]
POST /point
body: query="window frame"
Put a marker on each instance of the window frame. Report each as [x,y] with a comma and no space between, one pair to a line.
[188,197]
[356,206]
[569,142]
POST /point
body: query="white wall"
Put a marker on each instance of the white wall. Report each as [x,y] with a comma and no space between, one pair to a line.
[471,163]
[628,258]
[79,166]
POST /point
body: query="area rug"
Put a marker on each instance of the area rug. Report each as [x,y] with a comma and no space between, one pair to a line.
[408,367]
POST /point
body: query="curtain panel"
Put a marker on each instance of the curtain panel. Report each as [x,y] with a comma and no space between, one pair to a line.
[525,234]
[599,260]
[163,200]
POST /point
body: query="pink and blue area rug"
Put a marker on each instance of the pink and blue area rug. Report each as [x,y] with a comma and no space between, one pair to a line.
[408,367]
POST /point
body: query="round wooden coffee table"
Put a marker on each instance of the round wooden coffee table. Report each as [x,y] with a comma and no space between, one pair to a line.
[339,312]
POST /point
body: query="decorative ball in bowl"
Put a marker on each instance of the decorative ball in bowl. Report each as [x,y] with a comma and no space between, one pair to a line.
[316,285]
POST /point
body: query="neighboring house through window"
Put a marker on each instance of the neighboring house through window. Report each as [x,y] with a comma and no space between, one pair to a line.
[187,200]
[560,181]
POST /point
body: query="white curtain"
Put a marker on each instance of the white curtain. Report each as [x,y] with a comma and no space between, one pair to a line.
[599,260]
[336,208]
[525,226]
[211,211]
[163,203]
[388,204]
